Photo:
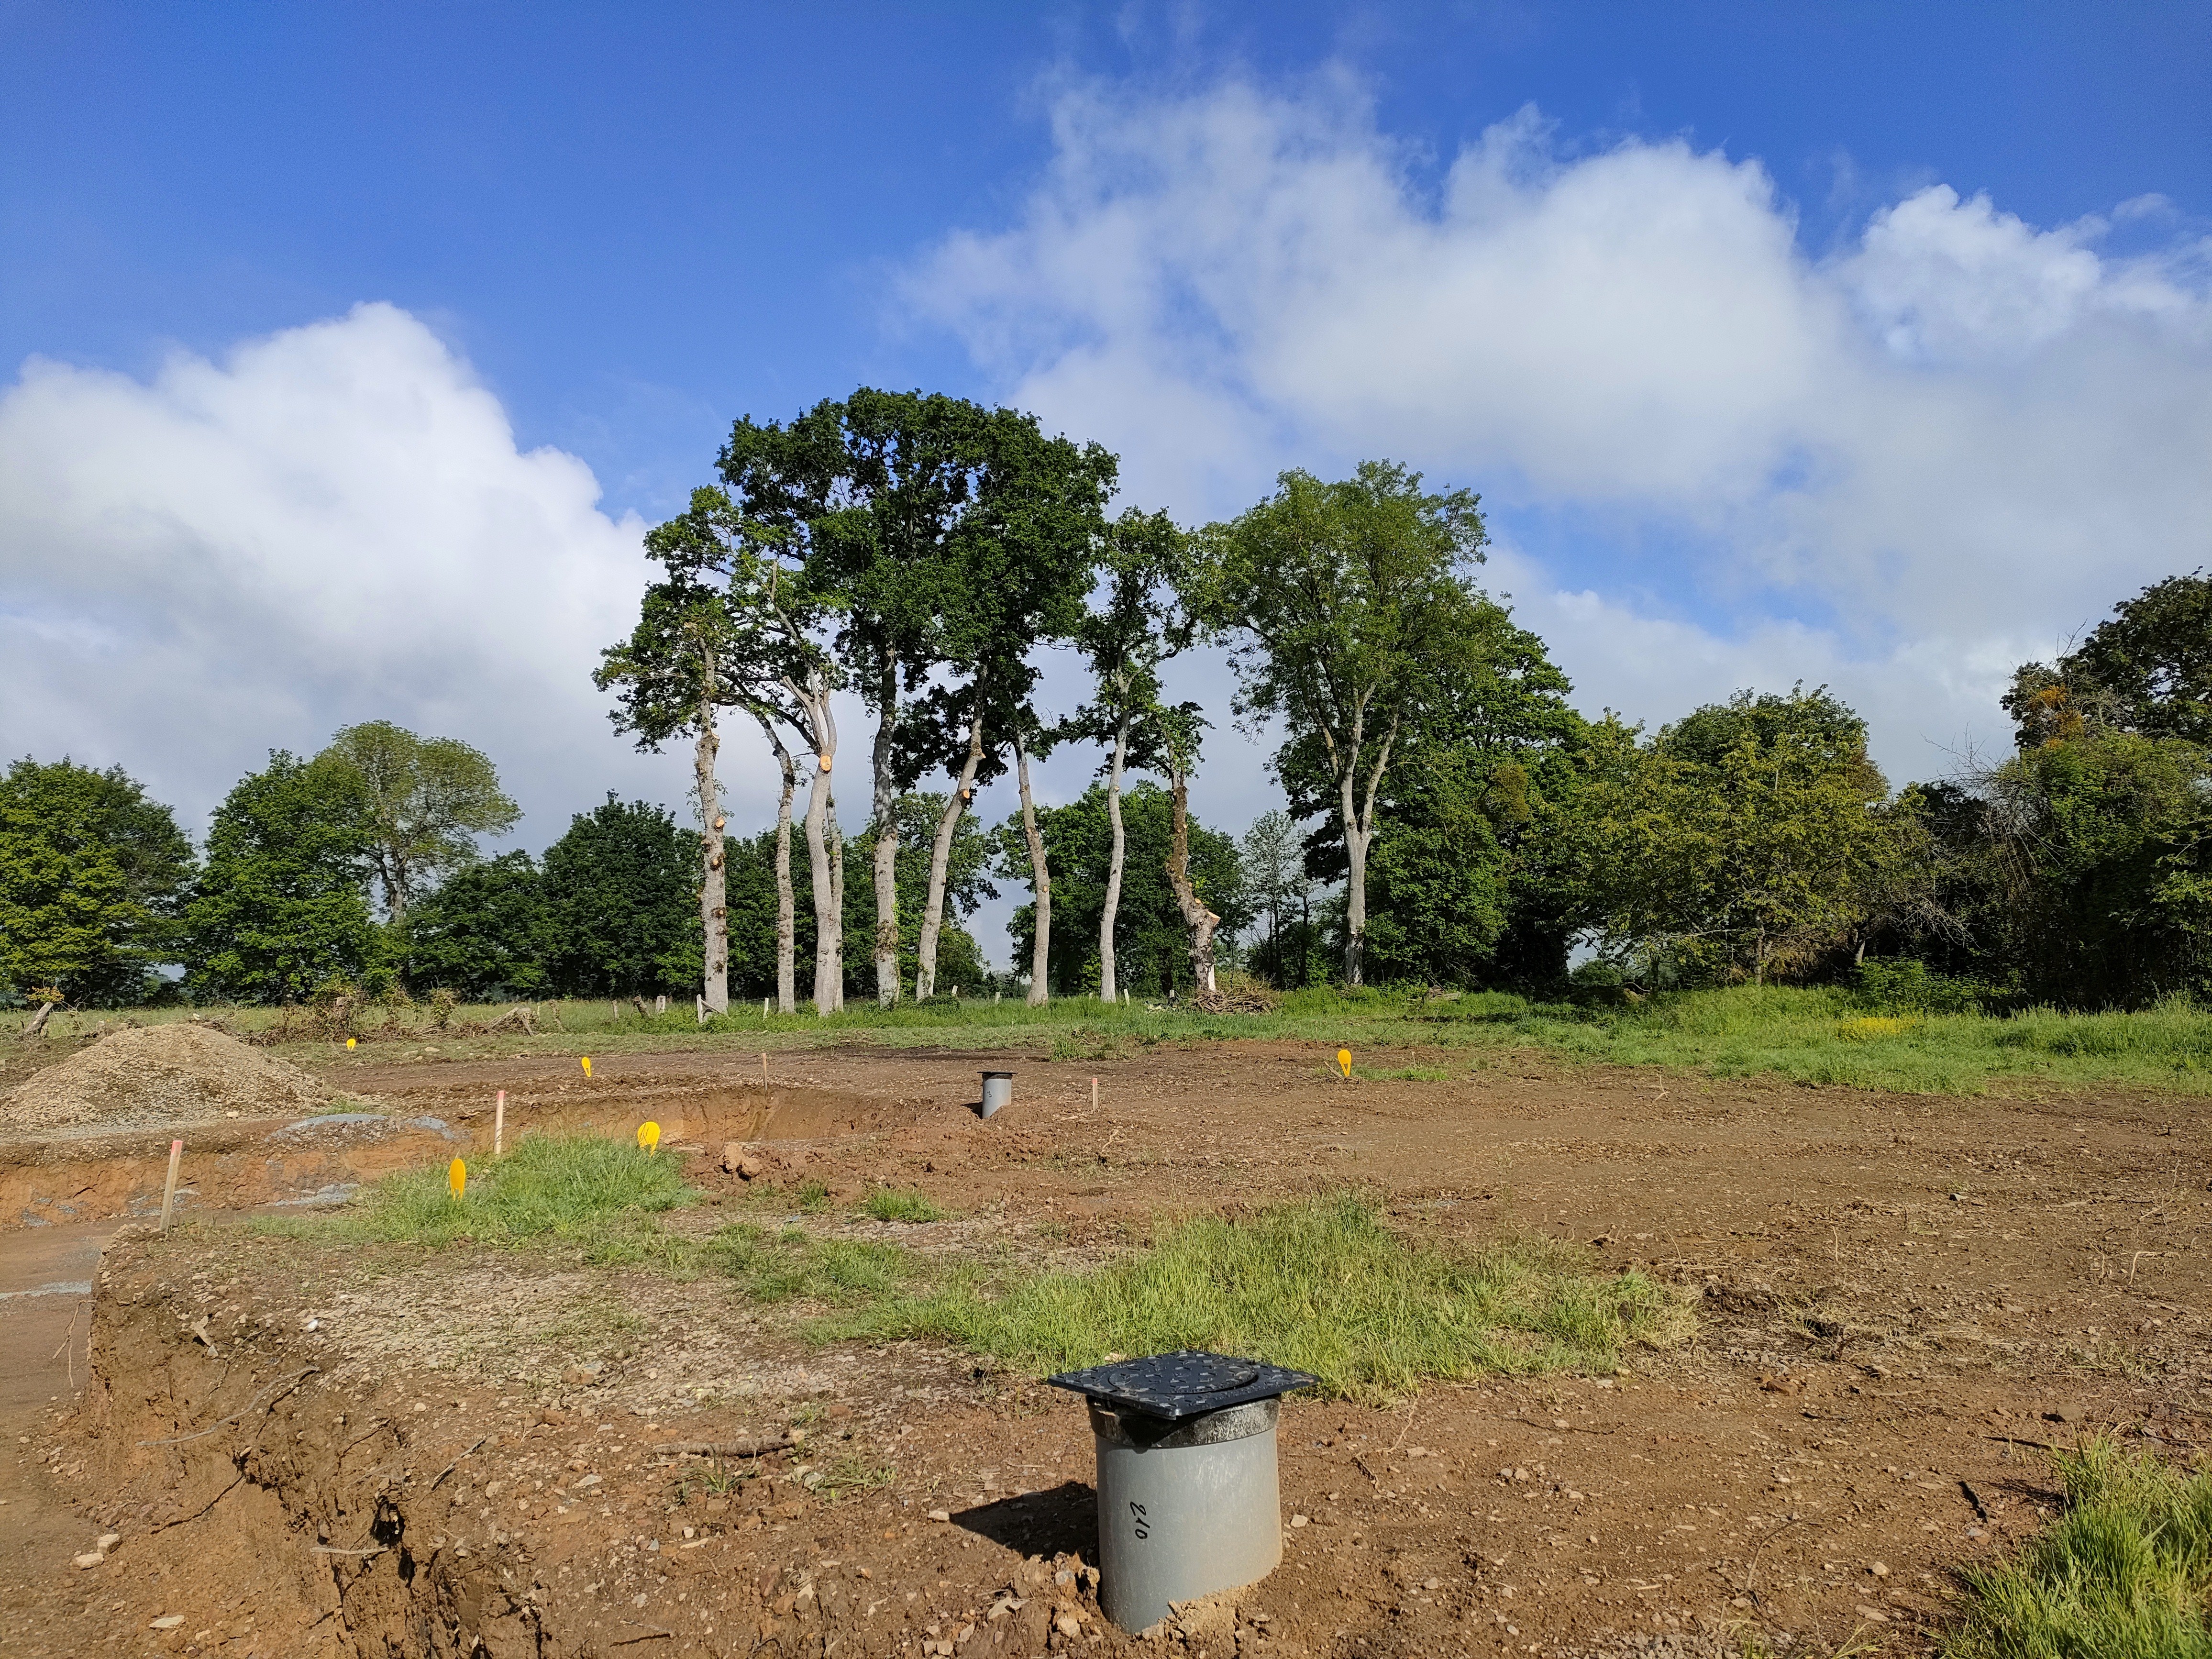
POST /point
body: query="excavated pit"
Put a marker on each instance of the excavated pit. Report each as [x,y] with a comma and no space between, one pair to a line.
[73,1176]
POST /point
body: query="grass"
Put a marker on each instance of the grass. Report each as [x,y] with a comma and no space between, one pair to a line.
[596,1198]
[888,1204]
[1902,1039]
[2126,1573]
[1322,1286]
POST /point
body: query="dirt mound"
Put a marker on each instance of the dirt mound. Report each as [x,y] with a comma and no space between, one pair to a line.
[180,1073]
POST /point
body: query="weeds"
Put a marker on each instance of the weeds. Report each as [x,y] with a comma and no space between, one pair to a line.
[886,1204]
[2126,1573]
[1322,1286]
[599,1198]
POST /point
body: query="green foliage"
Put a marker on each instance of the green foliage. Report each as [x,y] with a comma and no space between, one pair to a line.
[1751,838]
[1149,938]
[1322,1286]
[790,1265]
[280,906]
[2126,1573]
[424,800]
[92,877]
[2102,857]
[487,931]
[620,887]
[595,1197]
[1349,615]
[886,1204]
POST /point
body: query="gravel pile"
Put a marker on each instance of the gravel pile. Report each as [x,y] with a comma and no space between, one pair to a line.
[169,1074]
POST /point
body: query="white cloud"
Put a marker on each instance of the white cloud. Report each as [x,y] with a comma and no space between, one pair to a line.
[1939,450]
[333,524]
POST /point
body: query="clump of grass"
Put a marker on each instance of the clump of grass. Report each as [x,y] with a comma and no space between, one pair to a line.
[885,1203]
[596,1196]
[2126,1573]
[1866,1027]
[1322,1286]
[812,1195]
[789,1266]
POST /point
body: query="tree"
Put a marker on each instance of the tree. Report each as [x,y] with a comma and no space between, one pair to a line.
[427,801]
[92,877]
[1472,879]
[1139,622]
[948,535]
[1752,837]
[487,931]
[619,891]
[1274,864]
[966,884]
[1151,937]
[1346,604]
[726,629]
[2146,669]
[281,904]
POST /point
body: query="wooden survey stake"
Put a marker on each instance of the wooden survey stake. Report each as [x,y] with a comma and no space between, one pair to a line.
[169,1186]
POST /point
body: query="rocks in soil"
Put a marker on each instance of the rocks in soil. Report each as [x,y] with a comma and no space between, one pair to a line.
[168,1074]
[747,1163]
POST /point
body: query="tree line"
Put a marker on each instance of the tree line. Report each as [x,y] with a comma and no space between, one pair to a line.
[1448,817]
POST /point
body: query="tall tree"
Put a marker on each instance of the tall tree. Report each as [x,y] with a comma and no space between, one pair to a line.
[281,904]
[619,891]
[1273,863]
[1345,601]
[1752,837]
[92,877]
[1137,622]
[728,628]
[427,799]
[951,537]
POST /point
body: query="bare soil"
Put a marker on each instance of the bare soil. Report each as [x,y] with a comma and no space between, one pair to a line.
[177,1073]
[1903,1301]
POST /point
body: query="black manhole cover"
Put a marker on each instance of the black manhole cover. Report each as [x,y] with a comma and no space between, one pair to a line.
[1179,1385]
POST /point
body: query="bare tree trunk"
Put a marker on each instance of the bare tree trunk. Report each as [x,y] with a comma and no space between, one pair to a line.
[1109,982]
[886,810]
[1355,889]
[1041,876]
[714,902]
[940,855]
[1196,916]
[787,917]
[836,837]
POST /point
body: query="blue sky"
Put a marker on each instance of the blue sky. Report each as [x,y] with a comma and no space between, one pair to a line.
[1863,344]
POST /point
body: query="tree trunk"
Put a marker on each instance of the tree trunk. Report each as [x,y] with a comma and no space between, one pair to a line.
[1355,889]
[837,901]
[940,855]
[886,810]
[787,915]
[1041,876]
[829,907]
[713,904]
[1109,982]
[1196,915]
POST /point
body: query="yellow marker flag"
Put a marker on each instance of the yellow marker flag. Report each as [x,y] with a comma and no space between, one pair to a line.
[457,1177]
[587,1066]
[350,1042]
[648,1134]
[1344,1063]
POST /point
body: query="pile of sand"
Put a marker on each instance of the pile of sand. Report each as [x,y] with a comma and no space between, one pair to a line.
[174,1074]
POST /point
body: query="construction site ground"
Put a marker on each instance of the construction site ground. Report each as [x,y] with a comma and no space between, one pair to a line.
[297,1447]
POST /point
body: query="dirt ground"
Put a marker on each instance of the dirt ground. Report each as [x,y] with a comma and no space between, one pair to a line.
[1902,1300]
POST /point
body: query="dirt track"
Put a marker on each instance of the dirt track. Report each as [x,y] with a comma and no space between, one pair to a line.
[1898,1295]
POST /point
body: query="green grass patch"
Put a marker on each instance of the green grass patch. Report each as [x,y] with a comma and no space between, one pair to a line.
[888,1204]
[790,1265]
[598,1198]
[1322,1286]
[2126,1573]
